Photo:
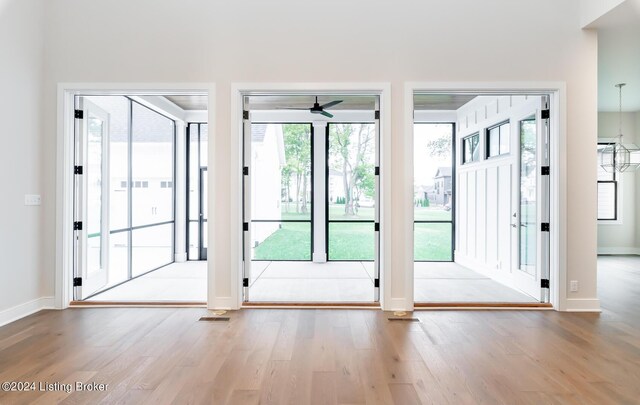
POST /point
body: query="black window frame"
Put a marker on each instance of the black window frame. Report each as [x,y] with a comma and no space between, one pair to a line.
[614,181]
[487,139]
[464,149]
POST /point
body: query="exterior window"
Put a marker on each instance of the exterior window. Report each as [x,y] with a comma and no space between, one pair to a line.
[498,139]
[145,184]
[123,184]
[607,191]
[471,148]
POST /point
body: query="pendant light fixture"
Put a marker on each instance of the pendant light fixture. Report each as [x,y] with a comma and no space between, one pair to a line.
[617,156]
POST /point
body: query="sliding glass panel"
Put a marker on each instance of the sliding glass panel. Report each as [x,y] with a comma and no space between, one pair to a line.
[351,181]
[528,179]
[194,173]
[152,166]
[194,240]
[433,242]
[204,145]
[351,241]
[152,248]
[281,240]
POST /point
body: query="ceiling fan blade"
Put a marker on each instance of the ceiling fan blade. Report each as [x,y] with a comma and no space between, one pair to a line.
[331,103]
[291,108]
[326,114]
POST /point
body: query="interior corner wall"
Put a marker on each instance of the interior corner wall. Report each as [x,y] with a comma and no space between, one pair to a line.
[637,125]
[23,283]
[621,236]
[245,41]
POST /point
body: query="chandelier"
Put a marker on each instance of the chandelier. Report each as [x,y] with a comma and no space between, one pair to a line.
[617,156]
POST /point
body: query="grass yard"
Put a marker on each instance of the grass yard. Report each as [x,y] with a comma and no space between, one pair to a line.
[351,241]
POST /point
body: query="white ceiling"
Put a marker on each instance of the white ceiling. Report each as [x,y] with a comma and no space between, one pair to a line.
[190,102]
[619,57]
[441,102]
[273,102]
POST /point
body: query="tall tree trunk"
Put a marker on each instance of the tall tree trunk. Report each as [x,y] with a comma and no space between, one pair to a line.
[348,207]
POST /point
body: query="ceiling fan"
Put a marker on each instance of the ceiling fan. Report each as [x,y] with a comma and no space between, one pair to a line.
[317,108]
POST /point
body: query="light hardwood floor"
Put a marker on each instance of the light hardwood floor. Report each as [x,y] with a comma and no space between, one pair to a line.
[164,355]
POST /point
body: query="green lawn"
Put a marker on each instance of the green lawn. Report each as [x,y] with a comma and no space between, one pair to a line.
[350,241]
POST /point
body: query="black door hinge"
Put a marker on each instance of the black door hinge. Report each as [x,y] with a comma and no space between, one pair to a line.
[77,281]
[245,226]
[77,170]
[245,115]
[376,115]
[77,226]
[545,171]
[544,283]
[376,227]
[544,227]
[377,171]
[376,283]
[545,114]
[78,114]
[245,171]
[245,282]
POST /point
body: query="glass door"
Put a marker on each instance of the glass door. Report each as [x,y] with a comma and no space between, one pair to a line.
[351,192]
[530,193]
[92,199]
[281,192]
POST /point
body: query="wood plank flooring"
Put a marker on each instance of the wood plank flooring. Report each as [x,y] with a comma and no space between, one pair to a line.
[324,356]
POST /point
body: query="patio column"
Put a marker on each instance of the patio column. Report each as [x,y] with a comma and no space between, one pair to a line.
[319,191]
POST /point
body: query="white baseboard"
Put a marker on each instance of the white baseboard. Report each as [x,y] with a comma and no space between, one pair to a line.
[222,303]
[20,311]
[180,257]
[618,251]
[581,305]
[397,304]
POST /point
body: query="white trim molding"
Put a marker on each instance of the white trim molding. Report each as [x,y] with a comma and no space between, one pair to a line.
[64,166]
[238,90]
[558,234]
[581,305]
[25,309]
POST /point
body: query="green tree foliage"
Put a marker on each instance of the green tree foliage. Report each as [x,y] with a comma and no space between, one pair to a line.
[297,169]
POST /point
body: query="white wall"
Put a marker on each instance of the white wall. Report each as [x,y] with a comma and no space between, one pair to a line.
[23,237]
[259,41]
[621,237]
[485,188]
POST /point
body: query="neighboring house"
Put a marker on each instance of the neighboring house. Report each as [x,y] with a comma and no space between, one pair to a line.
[442,187]
[267,160]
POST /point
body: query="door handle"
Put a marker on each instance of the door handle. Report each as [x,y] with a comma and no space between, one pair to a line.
[514,225]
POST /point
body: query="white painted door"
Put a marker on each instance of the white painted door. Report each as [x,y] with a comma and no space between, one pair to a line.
[528,198]
[92,202]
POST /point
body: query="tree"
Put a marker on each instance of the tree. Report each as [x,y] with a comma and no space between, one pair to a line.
[352,148]
[297,150]
[440,146]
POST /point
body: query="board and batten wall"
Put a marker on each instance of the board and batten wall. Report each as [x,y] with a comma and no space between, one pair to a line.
[623,235]
[485,188]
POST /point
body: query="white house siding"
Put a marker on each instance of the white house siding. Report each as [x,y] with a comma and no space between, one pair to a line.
[267,160]
[485,199]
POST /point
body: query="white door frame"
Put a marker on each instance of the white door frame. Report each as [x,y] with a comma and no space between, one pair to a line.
[558,203]
[65,162]
[238,90]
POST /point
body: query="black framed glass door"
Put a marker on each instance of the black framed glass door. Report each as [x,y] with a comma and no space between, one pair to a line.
[434,192]
[281,181]
[351,191]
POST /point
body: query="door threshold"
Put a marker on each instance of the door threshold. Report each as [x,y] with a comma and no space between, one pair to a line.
[138,304]
[311,305]
[482,305]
